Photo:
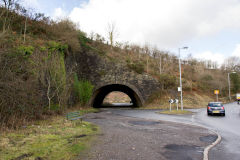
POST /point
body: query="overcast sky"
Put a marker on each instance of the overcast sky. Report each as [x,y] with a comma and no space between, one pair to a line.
[210,28]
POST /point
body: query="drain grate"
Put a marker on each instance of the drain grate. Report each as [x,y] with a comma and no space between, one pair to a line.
[143,123]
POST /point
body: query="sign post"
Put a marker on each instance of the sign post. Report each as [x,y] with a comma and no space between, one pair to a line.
[217,93]
[170,102]
[176,101]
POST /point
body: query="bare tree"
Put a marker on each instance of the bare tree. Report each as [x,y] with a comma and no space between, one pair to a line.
[155,52]
[8,5]
[2,10]
[160,62]
[126,48]
[25,29]
[147,54]
[52,76]
[112,33]
[50,93]
[232,64]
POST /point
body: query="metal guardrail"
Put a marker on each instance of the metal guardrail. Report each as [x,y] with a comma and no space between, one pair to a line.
[74,116]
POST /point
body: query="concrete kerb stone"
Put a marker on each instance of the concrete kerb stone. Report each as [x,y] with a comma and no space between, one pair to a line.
[208,148]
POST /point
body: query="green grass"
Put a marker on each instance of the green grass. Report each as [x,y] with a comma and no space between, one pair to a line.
[175,112]
[56,138]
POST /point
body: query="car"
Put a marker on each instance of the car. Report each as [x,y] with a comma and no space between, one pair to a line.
[215,108]
[238,98]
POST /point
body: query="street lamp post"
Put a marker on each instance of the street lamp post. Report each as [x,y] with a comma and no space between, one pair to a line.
[180,72]
[229,88]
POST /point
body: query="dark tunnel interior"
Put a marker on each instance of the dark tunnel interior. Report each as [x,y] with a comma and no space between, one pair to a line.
[101,93]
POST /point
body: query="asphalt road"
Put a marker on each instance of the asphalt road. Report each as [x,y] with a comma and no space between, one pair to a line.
[131,138]
[228,127]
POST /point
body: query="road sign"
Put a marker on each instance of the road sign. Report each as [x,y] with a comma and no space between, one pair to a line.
[179,89]
[170,102]
[175,100]
[216,91]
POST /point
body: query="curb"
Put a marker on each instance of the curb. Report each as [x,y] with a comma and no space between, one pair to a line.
[208,148]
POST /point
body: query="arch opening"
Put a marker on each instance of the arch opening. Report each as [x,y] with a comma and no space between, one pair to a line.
[117,98]
[100,94]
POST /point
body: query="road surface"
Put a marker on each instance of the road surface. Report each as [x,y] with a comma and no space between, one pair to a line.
[228,127]
[130,138]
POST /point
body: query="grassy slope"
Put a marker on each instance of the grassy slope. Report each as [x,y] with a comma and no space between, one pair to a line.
[55,138]
[190,100]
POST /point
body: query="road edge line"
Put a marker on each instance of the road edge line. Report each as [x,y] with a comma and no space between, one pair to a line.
[208,148]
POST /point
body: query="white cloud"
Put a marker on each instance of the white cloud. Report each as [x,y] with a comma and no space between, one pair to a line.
[208,55]
[59,13]
[236,52]
[159,22]
[217,57]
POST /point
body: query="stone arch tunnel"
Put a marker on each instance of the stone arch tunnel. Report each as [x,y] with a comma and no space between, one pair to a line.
[102,92]
[108,76]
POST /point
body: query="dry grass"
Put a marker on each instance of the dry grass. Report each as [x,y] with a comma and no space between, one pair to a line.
[175,112]
[190,100]
[55,138]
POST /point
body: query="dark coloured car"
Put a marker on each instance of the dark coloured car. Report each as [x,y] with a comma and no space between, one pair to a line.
[215,108]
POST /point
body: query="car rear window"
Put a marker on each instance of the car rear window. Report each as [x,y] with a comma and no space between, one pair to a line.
[215,104]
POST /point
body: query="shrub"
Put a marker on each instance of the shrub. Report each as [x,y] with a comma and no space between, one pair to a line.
[19,92]
[207,78]
[66,32]
[236,82]
[206,83]
[25,51]
[55,46]
[136,66]
[167,81]
[83,90]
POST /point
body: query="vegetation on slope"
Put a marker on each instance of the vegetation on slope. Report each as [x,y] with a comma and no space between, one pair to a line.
[34,79]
